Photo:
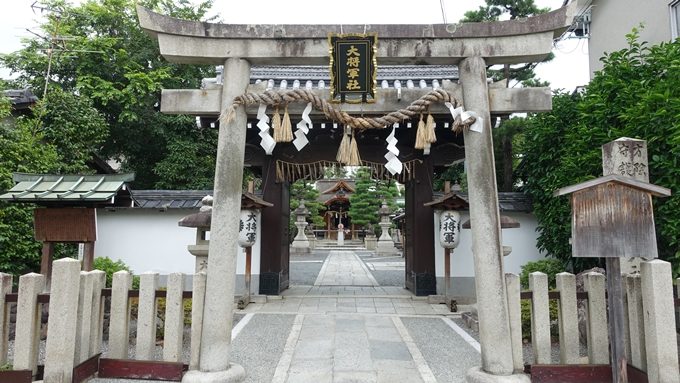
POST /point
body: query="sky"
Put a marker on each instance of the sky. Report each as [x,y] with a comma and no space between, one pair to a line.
[568,70]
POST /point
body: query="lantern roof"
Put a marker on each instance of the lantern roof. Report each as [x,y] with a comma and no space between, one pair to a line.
[646,187]
[203,218]
[449,201]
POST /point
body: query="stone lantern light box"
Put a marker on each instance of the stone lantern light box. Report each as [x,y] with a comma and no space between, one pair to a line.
[613,217]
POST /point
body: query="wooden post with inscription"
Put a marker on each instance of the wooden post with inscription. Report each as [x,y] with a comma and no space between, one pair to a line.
[612,217]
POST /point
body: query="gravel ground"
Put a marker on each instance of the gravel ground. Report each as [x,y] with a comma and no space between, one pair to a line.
[305,268]
[384,277]
[527,349]
[447,354]
[259,351]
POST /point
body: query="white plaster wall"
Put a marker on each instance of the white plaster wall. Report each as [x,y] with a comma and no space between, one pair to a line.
[613,19]
[522,240]
[151,240]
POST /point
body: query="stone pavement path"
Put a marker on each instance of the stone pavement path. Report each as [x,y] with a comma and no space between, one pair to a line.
[344,268]
[346,328]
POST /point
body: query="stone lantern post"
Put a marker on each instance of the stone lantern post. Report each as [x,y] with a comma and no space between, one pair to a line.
[200,221]
[385,244]
[301,243]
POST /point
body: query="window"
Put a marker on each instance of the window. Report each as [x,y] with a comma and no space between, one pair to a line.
[674,8]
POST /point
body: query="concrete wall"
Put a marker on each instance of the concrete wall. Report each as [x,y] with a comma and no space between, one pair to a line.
[522,240]
[151,240]
[613,19]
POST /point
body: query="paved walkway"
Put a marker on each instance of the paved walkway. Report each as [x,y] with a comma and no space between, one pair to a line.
[344,268]
[347,328]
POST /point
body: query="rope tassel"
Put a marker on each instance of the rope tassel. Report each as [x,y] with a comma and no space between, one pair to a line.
[343,156]
[421,135]
[354,157]
[286,127]
[276,125]
[429,129]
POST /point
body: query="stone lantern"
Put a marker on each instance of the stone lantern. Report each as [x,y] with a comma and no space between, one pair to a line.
[385,244]
[200,221]
[301,242]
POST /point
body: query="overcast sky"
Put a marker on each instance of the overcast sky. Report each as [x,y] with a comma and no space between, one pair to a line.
[568,70]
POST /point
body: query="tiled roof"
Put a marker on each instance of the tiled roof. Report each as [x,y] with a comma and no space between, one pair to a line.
[51,189]
[169,199]
[20,98]
[316,76]
[184,199]
[508,201]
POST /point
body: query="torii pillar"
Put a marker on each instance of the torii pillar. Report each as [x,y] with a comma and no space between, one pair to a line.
[218,313]
[492,305]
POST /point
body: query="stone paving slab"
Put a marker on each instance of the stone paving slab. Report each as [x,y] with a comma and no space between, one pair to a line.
[344,268]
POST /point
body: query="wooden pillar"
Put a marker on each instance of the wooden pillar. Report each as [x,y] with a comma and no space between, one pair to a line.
[275,250]
[46,261]
[88,256]
[419,248]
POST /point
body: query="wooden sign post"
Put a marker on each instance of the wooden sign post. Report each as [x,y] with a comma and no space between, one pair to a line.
[613,217]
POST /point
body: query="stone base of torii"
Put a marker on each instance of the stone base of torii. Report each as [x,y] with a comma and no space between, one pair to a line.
[472,46]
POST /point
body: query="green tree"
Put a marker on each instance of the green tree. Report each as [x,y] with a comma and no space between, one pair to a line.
[636,94]
[304,190]
[23,150]
[75,128]
[368,197]
[100,52]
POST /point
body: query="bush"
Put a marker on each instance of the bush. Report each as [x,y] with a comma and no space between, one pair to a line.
[109,266]
[550,266]
[526,319]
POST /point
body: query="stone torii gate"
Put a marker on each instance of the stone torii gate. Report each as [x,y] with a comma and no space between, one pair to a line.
[471,46]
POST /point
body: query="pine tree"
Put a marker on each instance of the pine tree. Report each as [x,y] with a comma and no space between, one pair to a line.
[368,198]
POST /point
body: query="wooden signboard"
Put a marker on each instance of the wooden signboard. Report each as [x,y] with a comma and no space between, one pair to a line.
[353,67]
[613,220]
[65,224]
